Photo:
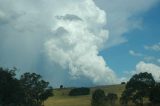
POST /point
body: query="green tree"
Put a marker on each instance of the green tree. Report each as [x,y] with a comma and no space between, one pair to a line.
[61,87]
[36,89]
[98,97]
[111,98]
[11,92]
[155,95]
[126,97]
[138,87]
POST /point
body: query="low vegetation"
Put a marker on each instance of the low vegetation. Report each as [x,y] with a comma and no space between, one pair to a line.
[61,97]
[79,91]
[140,90]
[31,90]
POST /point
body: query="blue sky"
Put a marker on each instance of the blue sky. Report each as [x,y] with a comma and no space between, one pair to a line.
[119,58]
[81,43]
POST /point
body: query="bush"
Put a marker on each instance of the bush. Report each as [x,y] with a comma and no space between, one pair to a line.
[79,91]
[98,98]
[61,87]
[111,98]
[122,83]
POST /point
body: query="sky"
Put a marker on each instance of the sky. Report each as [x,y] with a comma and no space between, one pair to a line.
[81,42]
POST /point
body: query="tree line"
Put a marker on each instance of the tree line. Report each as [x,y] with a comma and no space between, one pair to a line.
[140,87]
[29,90]
[79,91]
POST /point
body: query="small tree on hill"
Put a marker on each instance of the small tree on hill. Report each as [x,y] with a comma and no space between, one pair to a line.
[61,86]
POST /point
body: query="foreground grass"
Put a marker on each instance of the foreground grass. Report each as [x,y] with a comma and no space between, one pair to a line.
[61,97]
[69,101]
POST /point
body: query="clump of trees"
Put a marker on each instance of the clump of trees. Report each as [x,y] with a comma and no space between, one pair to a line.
[79,91]
[141,86]
[29,90]
[100,99]
[111,99]
[122,83]
[35,88]
[11,92]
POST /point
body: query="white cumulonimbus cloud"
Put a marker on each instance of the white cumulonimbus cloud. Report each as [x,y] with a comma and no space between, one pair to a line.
[70,32]
[78,38]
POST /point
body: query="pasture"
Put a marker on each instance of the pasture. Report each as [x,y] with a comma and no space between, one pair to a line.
[61,97]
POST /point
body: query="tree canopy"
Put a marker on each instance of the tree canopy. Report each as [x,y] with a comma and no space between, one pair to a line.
[137,88]
[29,90]
[11,92]
[36,89]
[98,97]
[79,91]
[155,94]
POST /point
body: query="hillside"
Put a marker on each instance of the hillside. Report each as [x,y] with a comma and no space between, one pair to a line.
[61,97]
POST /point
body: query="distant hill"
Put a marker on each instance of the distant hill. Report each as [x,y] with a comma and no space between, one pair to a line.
[61,97]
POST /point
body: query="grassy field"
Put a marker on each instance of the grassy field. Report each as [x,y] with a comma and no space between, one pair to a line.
[61,97]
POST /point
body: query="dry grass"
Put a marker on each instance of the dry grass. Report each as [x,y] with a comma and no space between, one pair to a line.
[68,101]
[61,97]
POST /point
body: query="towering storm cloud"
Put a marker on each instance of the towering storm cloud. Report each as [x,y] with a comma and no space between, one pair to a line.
[70,33]
[62,39]
[78,36]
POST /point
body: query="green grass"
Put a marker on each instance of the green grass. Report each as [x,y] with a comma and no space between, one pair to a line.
[61,97]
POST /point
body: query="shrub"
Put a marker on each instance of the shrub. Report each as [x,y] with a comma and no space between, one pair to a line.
[111,98]
[98,98]
[61,87]
[79,91]
[122,83]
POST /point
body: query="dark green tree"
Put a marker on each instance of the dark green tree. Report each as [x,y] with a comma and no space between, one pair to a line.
[61,87]
[155,95]
[126,97]
[111,98]
[11,92]
[138,87]
[36,89]
[98,98]
[79,91]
